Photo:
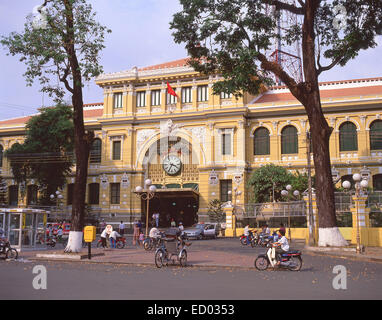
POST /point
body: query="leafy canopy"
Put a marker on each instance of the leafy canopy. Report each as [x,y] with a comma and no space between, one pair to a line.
[235,37]
[46,154]
[46,51]
[271,179]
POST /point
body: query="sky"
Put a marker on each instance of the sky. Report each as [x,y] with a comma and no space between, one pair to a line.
[140,37]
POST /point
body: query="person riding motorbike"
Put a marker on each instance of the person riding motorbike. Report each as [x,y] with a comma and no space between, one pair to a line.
[281,245]
[248,233]
[154,234]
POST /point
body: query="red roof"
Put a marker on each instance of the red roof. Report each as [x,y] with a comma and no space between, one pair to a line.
[171,64]
[324,93]
[91,113]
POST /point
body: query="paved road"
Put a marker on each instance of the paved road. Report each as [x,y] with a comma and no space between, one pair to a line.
[82,280]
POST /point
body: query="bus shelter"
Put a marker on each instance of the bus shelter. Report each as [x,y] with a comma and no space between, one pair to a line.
[24,227]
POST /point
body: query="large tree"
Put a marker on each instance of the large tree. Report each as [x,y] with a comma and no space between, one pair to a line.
[61,45]
[46,153]
[233,38]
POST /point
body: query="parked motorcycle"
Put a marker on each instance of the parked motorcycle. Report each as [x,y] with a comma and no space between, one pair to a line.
[290,260]
[51,242]
[5,249]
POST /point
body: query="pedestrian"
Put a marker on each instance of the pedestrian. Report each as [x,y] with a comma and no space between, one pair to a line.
[135,233]
[59,234]
[181,228]
[122,228]
[103,238]
[156,218]
[141,238]
[113,239]
[173,224]
[103,225]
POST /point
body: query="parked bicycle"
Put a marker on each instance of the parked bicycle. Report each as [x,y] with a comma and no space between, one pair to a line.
[172,250]
[7,250]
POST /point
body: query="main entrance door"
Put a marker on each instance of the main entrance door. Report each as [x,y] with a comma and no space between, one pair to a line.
[179,204]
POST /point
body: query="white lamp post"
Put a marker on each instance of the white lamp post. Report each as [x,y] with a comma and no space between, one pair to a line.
[359,185]
[148,195]
[285,193]
[58,196]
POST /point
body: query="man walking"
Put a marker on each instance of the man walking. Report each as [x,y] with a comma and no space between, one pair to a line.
[122,228]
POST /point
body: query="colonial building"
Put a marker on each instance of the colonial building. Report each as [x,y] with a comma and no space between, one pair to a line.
[198,146]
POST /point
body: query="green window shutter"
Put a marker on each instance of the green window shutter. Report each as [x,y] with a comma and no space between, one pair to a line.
[376,135]
[115,193]
[116,150]
[225,186]
[348,137]
[1,156]
[96,151]
[289,140]
[261,142]
[94,193]
[377,182]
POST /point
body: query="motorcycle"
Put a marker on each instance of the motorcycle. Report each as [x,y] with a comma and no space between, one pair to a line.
[265,240]
[5,249]
[290,260]
[253,238]
[120,243]
[51,242]
[153,243]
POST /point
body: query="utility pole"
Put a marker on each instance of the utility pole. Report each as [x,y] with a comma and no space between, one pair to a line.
[312,240]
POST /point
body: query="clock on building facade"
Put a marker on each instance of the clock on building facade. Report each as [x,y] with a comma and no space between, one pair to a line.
[172,165]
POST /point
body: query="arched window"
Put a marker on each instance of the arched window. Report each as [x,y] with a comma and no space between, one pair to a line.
[377,182]
[96,151]
[261,141]
[376,135]
[289,140]
[1,156]
[348,137]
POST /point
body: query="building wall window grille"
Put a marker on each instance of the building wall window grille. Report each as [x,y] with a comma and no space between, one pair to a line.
[289,140]
[348,137]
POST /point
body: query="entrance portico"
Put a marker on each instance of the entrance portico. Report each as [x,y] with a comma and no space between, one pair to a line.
[173,203]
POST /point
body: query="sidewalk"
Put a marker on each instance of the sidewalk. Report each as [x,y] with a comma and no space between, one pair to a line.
[370,253]
[198,256]
[138,256]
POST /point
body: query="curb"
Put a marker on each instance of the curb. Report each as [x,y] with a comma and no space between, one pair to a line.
[344,254]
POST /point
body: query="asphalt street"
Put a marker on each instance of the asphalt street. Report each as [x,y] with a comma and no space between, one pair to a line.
[83,280]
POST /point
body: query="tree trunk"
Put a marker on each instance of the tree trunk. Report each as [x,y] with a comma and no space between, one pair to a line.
[329,234]
[82,140]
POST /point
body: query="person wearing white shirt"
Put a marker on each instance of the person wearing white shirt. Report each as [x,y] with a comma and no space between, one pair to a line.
[113,238]
[122,228]
[283,246]
[103,238]
[154,233]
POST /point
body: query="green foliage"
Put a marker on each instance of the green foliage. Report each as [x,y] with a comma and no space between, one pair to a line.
[271,179]
[232,36]
[266,179]
[45,154]
[47,53]
[215,211]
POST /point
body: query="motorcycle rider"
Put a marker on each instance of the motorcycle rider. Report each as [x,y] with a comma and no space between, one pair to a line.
[247,233]
[154,234]
[282,246]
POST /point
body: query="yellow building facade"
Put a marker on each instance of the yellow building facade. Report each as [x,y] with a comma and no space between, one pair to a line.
[199,146]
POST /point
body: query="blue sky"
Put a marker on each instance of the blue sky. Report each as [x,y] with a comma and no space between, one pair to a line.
[140,37]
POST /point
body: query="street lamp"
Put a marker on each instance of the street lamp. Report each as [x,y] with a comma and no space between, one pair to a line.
[285,193]
[58,196]
[360,185]
[147,196]
[236,193]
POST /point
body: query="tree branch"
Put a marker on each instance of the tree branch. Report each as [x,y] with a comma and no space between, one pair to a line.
[64,78]
[286,6]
